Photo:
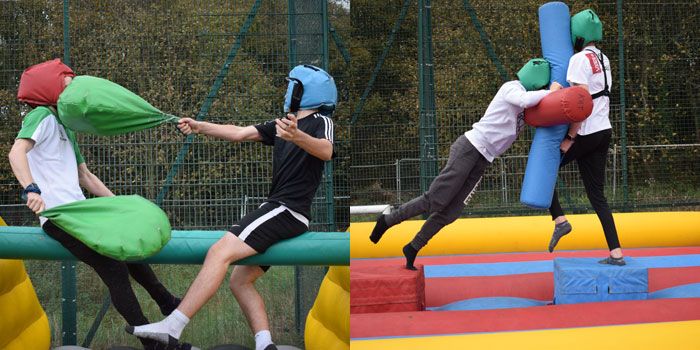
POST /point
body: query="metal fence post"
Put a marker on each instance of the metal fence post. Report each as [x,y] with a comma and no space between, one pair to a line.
[426,95]
[486,41]
[68,284]
[330,206]
[623,123]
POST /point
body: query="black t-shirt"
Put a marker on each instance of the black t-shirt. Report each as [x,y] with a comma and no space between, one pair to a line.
[296,174]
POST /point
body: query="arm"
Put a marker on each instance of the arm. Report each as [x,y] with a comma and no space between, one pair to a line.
[20,167]
[19,162]
[231,133]
[319,148]
[92,183]
[526,99]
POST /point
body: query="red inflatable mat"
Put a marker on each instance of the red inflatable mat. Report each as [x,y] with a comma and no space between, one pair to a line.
[513,257]
[402,324]
[386,289]
[539,286]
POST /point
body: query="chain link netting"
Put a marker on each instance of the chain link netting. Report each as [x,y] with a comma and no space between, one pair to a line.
[220,61]
[654,157]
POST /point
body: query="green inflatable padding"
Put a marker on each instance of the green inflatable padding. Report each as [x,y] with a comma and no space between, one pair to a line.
[125,228]
[534,75]
[98,106]
[585,28]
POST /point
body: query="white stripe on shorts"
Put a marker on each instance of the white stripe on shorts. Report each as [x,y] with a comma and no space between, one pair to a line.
[298,216]
[259,221]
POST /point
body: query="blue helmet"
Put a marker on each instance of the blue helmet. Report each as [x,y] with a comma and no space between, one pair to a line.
[310,87]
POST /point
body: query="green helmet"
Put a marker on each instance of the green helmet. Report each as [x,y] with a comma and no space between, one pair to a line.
[535,74]
[585,27]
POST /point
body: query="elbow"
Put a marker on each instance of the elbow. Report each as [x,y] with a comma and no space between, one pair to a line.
[84,176]
[328,153]
[13,155]
[236,136]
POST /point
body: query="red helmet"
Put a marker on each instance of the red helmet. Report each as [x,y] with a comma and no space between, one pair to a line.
[41,84]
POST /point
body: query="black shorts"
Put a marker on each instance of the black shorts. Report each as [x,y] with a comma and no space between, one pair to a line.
[267,225]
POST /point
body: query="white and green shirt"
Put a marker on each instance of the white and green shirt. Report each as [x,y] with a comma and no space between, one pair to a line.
[54,159]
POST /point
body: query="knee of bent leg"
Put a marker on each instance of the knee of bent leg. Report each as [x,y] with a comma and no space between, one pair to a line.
[222,249]
[446,218]
[240,279]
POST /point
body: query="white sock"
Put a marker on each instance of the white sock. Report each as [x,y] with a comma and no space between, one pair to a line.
[171,326]
[262,340]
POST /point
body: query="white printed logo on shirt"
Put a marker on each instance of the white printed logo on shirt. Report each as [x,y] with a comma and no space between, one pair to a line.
[595,64]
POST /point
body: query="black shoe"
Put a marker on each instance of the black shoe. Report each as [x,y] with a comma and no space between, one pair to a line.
[613,261]
[182,346]
[560,230]
[379,228]
[271,347]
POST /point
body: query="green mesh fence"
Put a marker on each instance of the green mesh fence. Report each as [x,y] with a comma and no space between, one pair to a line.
[219,61]
[655,152]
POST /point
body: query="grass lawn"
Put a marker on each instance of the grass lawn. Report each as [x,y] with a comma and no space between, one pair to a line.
[219,322]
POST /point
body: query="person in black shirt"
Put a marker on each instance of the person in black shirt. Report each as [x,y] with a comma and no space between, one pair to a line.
[302,143]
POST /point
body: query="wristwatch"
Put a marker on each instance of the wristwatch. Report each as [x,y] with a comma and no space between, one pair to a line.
[31,188]
[568,137]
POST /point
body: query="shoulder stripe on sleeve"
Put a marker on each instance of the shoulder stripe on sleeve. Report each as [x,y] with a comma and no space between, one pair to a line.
[328,123]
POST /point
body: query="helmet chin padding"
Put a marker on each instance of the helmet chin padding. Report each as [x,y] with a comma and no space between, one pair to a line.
[585,28]
[534,75]
[297,93]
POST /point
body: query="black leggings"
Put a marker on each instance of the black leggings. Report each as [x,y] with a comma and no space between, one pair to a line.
[591,152]
[115,274]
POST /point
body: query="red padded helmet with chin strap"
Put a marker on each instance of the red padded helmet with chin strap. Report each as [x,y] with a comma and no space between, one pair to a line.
[41,84]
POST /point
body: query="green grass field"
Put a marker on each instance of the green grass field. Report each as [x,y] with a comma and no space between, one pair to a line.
[219,322]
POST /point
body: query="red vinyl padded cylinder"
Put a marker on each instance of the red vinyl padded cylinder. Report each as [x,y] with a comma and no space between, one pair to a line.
[375,289]
[564,106]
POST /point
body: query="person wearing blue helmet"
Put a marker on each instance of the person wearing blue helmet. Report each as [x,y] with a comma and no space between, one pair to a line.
[470,155]
[303,142]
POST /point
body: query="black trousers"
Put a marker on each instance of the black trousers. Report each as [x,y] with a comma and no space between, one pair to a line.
[591,153]
[115,275]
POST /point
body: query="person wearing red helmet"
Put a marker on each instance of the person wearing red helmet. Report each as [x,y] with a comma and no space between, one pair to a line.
[48,164]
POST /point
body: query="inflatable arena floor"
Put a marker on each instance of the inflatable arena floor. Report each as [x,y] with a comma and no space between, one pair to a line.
[564,299]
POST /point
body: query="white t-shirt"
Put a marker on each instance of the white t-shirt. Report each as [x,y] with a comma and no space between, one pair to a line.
[503,120]
[54,159]
[585,68]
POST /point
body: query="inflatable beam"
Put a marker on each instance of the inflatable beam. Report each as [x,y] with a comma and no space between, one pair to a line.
[544,158]
[531,234]
[568,105]
[652,336]
[190,247]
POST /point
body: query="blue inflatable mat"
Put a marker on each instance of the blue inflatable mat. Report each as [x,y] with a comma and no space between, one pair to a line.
[489,303]
[578,280]
[683,291]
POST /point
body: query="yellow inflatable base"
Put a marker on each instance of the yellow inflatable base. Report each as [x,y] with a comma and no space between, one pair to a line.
[531,234]
[23,323]
[652,336]
[328,322]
